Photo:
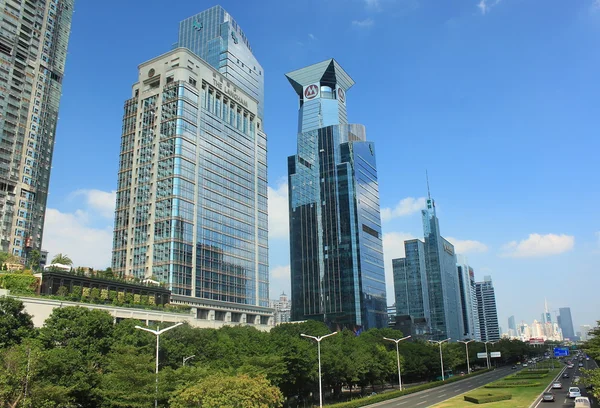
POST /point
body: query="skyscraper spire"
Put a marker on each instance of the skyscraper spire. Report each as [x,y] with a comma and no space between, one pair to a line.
[545,305]
[428,192]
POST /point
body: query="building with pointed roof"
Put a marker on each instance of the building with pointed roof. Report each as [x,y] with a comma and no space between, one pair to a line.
[336,246]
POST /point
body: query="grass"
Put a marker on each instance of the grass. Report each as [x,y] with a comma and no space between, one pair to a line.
[522,397]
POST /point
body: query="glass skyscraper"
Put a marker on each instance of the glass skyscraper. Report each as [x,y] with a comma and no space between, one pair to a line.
[486,307]
[336,249]
[566,323]
[468,300]
[192,187]
[214,36]
[33,50]
[410,282]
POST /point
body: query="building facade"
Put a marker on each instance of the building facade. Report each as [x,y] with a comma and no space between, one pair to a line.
[468,300]
[566,323]
[33,51]
[215,36]
[191,205]
[282,308]
[410,282]
[336,248]
[442,279]
[488,313]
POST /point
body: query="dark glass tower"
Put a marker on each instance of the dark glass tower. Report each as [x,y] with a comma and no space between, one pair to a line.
[566,323]
[335,226]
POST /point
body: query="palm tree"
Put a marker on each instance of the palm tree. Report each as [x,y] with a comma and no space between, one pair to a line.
[62,259]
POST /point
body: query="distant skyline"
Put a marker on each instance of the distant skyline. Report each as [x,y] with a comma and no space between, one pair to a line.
[498,100]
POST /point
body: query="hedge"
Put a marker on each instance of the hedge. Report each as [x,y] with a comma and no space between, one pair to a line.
[485,398]
[512,384]
[535,371]
[19,283]
[531,376]
[361,402]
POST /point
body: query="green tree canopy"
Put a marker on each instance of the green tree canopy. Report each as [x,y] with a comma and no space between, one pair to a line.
[219,390]
[15,324]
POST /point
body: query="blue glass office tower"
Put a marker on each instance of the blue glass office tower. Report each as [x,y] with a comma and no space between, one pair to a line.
[214,36]
[410,281]
[335,225]
[442,279]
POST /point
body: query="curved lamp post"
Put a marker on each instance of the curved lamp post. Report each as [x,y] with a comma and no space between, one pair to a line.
[398,357]
[439,343]
[318,340]
[466,343]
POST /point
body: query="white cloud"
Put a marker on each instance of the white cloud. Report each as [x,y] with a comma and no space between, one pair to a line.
[467,246]
[280,280]
[406,206]
[312,36]
[393,247]
[537,245]
[101,201]
[596,5]
[486,5]
[366,23]
[372,4]
[278,211]
[74,235]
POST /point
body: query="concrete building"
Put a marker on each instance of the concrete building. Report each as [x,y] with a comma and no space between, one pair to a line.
[33,49]
[585,332]
[488,313]
[336,247]
[282,308]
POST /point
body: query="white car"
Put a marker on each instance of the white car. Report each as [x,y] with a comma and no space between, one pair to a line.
[557,385]
[574,392]
[524,364]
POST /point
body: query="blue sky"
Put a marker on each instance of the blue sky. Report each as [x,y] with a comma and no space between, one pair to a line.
[497,99]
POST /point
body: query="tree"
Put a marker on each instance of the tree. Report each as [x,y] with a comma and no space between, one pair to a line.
[220,390]
[62,259]
[15,324]
[34,259]
[17,365]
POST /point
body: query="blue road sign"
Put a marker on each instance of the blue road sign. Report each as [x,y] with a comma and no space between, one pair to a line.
[561,352]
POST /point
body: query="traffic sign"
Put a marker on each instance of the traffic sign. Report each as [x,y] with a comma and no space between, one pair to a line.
[561,352]
[495,354]
[481,355]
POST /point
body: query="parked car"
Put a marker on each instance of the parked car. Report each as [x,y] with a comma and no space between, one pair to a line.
[574,392]
[548,396]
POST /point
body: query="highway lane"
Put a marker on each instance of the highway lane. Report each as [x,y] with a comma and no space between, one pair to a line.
[434,396]
[561,398]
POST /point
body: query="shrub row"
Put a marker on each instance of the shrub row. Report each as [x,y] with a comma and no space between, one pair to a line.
[512,384]
[531,376]
[535,371]
[19,283]
[361,402]
[485,398]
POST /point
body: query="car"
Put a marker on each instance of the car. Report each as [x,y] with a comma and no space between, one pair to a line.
[587,358]
[570,366]
[582,402]
[548,396]
[566,375]
[574,392]
[557,385]
[514,367]
[580,364]
[524,364]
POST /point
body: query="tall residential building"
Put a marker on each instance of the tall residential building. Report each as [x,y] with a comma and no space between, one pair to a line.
[282,308]
[336,249]
[468,300]
[566,323]
[33,49]
[442,279]
[214,36]
[488,314]
[192,188]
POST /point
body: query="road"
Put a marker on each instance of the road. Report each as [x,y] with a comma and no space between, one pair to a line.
[561,399]
[434,396]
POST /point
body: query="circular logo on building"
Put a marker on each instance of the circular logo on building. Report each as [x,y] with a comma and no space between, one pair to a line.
[341,95]
[311,92]
[151,73]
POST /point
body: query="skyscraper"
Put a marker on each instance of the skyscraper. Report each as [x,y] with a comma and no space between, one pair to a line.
[468,299]
[511,323]
[488,313]
[192,188]
[566,323]
[335,225]
[410,282]
[33,51]
[442,279]
[214,36]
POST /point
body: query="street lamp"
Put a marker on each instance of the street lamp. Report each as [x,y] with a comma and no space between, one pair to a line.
[318,340]
[398,357]
[187,358]
[487,356]
[439,343]
[157,333]
[466,343]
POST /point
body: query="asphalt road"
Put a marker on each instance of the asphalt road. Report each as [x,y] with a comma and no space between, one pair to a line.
[434,396]
[561,399]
